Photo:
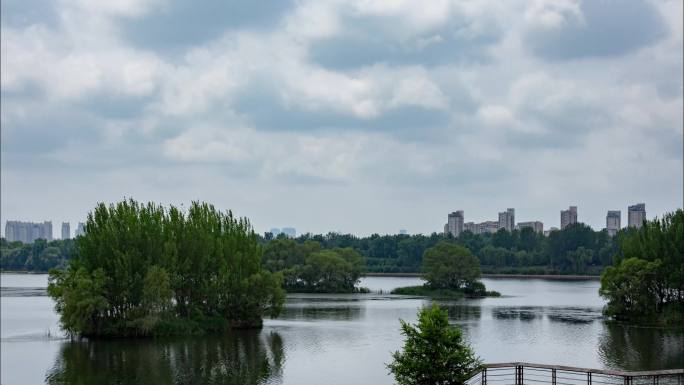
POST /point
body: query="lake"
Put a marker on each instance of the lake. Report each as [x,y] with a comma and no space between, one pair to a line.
[331,338]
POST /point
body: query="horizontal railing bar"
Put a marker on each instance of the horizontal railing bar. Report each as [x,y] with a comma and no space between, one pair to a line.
[586,370]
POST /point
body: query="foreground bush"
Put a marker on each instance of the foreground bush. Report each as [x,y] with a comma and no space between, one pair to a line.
[145,270]
[434,352]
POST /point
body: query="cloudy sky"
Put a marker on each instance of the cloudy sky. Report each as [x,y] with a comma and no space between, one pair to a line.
[354,116]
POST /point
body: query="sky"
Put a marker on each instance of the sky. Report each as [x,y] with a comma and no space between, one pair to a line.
[355,116]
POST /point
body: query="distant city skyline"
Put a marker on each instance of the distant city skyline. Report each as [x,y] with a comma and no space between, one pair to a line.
[608,217]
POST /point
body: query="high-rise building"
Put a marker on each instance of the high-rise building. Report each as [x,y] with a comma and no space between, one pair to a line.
[66,230]
[636,215]
[28,232]
[537,226]
[568,216]
[613,219]
[403,232]
[455,223]
[80,229]
[507,219]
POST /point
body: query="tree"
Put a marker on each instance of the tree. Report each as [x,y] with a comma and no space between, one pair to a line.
[647,279]
[434,352]
[142,269]
[450,266]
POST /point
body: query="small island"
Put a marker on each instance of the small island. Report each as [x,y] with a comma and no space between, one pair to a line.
[451,271]
[145,270]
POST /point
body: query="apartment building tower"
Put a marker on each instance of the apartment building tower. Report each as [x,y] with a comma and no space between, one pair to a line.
[613,219]
[568,217]
[66,230]
[507,219]
[636,215]
[454,225]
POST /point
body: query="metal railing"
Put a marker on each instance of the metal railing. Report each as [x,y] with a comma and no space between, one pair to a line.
[519,373]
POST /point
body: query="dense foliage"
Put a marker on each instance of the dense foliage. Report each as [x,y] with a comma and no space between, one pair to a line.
[646,282]
[450,266]
[308,268]
[40,255]
[434,352]
[146,270]
[577,249]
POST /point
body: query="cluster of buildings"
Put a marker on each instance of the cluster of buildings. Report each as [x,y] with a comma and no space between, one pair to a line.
[636,215]
[28,232]
[290,232]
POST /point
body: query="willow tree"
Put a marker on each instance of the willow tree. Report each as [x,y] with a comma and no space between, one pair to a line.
[143,269]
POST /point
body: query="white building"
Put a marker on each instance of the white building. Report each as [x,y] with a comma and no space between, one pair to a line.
[537,226]
[568,216]
[613,219]
[28,232]
[472,227]
[488,227]
[636,215]
[507,219]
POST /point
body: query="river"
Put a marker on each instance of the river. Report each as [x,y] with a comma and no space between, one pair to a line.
[331,338]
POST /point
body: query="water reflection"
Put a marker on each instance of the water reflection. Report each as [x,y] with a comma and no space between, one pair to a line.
[521,313]
[462,312]
[322,312]
[574,315]
[641,348]
[241,357]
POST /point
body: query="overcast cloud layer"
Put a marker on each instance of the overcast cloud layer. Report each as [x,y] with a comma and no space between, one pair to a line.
[353,116]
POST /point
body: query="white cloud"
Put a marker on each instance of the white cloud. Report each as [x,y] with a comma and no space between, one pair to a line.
[596,131]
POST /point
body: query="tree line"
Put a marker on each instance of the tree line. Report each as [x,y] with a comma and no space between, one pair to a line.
[39,256]
[577,249]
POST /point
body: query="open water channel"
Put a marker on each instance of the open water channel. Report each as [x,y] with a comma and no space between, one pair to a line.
[331,338]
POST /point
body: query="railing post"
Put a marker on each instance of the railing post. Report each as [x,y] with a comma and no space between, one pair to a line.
[588,378]
[553,376]
[518,375]
[484,376]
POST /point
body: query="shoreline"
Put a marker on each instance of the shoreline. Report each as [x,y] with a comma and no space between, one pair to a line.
[557,277]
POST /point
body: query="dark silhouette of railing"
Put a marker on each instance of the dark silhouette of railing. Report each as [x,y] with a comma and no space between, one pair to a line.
[519,373]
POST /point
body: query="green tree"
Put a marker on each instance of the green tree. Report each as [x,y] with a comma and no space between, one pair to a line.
[143,269]
[450,266]
[434,352]
[647,279]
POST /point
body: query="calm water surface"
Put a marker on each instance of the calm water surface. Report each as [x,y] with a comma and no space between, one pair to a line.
[331,339]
